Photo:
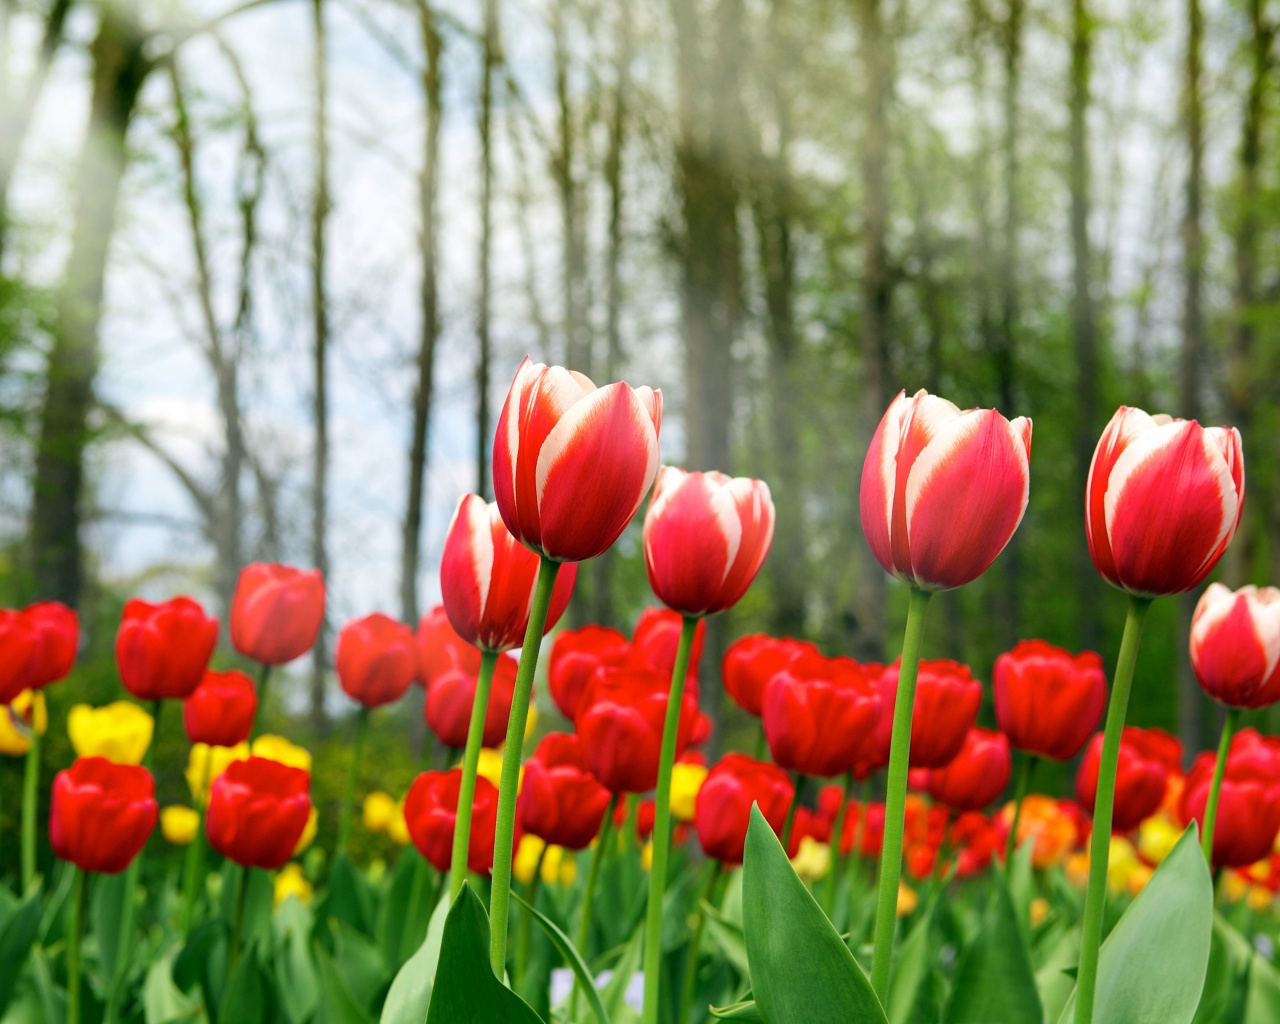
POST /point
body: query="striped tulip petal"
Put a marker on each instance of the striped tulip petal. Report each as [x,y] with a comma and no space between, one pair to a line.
[1235,644]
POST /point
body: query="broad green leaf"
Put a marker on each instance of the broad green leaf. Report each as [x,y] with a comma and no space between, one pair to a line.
[397,907]
[912,993]
[245,998]
[348,898]
[1226,981]
[729,940]
[339,1005]
[1262,1006]
[359,962]
[1151,969]
[297,980]
[1053,981]
[410,993]
[995,981]
[162,1001]
[801,970]
[16,938]
[586,981]
[746,1012]
[1022,888]
[466,990]
[106,910]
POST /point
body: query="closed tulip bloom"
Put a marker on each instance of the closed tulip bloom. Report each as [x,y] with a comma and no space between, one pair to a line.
[220,710]
[1235,645]
[657,636]
[280,750]
[101,814]
[58,633]
[1047,700]
[120,731]
[431,811]
[976,776]
[1248,817]
[376,659]
[206,763]
[943,490]
[705,537]
[1163,501]
[1141,777]
[560,801]
[575,656]
[19,654]
[258,811]
[487,578]
[723,809]
[440,649]
[946,707]
[820,713]
[162,650]
[450,697]
[572,462]
[751,661]
[179,824]
[620,721]
[276,612]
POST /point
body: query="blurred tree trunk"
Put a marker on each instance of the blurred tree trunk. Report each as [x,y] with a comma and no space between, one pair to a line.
[428,188]
[118,70]
[320,321]
[573,264]
[489,61]
[877,297]
[1083,330]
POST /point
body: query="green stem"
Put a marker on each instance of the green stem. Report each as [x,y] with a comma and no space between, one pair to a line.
[500,893]
[1219,769]
[470,763]
[896,796]
[30,800]
[420,870]
[662,825]
[353,773]
[797,797]
[194,869]
[526,921]
[695,945]
[598,858]
[1100,843]
[837,861]
[1021,786]
[73,947]
[264,677]
[237,921]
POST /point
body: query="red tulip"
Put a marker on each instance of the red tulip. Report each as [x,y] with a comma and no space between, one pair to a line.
[620,720]
[1248,817]
[946,706]
[276,612]
[220,710]
[487,578]
[751,661]
[655,639]
[19,653]
[575,655]
[58,630]
[1047,701]
[1235,645]
[705,538]
[450,697]
[1163,501]
[865,825]
[431,810]
[376,659]
[819,713]
[162,650]
[257,812]
[809,825]
[440,649]
[943,490]
[646,812]
[1141,776]
[572,462]
[101,814]
[976,776]
[977,842]
[560,801]
[723,808]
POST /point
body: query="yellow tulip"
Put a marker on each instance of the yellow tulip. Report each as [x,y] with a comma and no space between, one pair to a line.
[1259,897]
[646,856]
[526,859]
[120,732]
[490,766]
[530,723]
[277,748]
[308,833]
[908,900]
[290,881]
[205,763]
[1234,886]
[1121,862]
[1157,836]
[379,811]
[813,860]
[686,781]
[397,829]
[25,712]
[179,824]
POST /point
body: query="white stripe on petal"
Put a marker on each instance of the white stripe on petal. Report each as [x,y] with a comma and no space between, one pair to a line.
[940,450]
[482,547]
[1144,446]
[723,498]
[1227,496]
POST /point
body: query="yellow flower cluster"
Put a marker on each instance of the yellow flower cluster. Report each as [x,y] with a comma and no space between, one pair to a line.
[121,732]
[290,881]
[558,864]
[382,813]
[26,712]
[686,781]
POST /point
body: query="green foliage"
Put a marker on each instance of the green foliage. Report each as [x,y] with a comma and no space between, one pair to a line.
[995,980]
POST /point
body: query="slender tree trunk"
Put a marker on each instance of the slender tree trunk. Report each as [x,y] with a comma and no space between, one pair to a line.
[118,71]
[573,268]
[411,547]
[484,485]
[320,369]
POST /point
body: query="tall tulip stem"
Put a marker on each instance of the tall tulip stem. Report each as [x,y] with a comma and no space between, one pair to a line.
[512,751]
[264,677]
[237,922]
[662,824]
[30,798]
[1215,790]
[73,946]
[353,773]
[1021,786]
[896,795]
[470,764]
[1100,843]
[193,870]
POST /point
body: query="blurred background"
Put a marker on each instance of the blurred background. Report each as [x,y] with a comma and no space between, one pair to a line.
[268,267]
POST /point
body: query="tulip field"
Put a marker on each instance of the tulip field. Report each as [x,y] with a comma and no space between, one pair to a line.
[860,849]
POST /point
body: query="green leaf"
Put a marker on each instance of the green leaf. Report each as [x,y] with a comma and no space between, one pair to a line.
[729,940]
[339,1005]
[1022,887]
[296,977]
[615,992]
[1151,969]
[349,898]
[586,981]
[397,908]
[801,970]
[359,962]
[1226,981]
[245,998]
[995,981]
[105,913]
[16,938]
[466,990]
[913,994]
[410,993]
[162,1001]
[1262,1005]
[746,1012]
[1056,977]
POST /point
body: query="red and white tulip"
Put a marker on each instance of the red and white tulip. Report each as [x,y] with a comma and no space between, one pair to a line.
[572,462]
[943,489]
[1163,501]
[1235,645]
[705,537]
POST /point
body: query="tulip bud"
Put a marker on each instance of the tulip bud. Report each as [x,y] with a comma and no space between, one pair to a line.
[575,655]
[376,660]
[450,697]
[560,801]
[656,638]
[58,635]
[1248,817]
[1235,645]
[101,814]
[221,709]
[723,809]
[431,811]
[1047,701]
[751,661]
[179,824]
[19,654]
[1142,775]
[162,650]
[946,706]
[276,612]
[976,776]
[258,811]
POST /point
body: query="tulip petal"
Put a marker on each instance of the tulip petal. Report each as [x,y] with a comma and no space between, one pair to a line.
[879,475]
[1125,425]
